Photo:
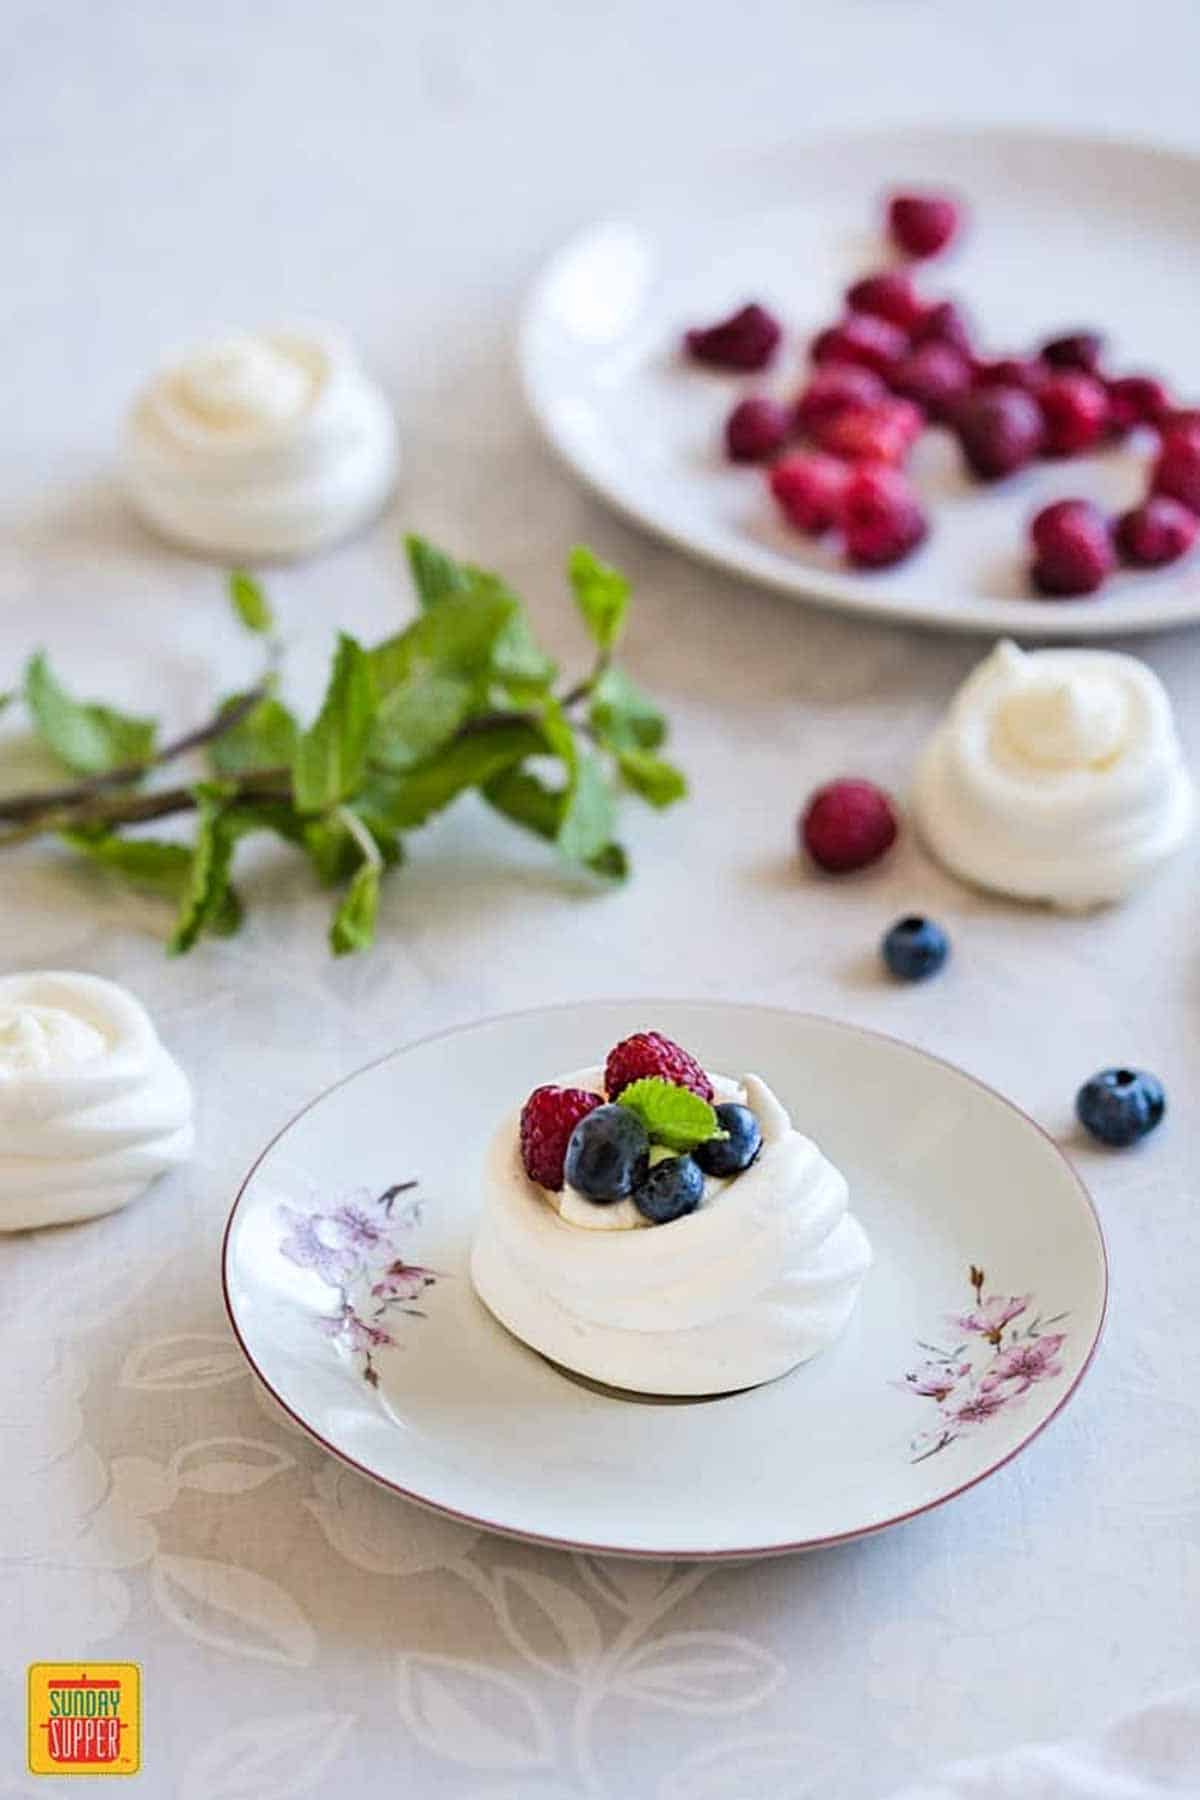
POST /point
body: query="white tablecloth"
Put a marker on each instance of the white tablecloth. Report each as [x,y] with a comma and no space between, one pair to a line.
[173,167]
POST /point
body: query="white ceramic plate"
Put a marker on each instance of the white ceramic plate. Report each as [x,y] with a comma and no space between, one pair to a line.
[1064,232]
[950,1181]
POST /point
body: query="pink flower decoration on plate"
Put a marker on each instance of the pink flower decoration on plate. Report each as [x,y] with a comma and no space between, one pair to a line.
[1026,1363]
[991,1315]
[936,1380]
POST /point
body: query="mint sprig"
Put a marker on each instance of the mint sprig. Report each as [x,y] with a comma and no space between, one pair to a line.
[673,1116]
[461,698]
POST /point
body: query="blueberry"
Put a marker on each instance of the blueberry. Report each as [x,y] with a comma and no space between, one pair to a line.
[608,1153]
[730,1155]
[673,1187]
[1119,1106]
[914,948]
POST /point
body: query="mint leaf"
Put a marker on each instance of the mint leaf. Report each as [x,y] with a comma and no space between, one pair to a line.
[353,925]
[601,594]
[589,814]
[250,603]
[153,866]
[335,853]
[673,1116]
[525,799]
[89,738]
[417,718]
[265,739]
[404,801]
[331,755]
[435,574]
[7,699]
[611,863]
[656,780]
[209,895]
[457,637]
[622,716]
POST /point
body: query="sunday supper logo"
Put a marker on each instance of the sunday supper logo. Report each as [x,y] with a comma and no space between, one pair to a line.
[84,1720]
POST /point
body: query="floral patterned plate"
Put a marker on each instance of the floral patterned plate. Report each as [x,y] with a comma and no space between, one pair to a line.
[346,1280]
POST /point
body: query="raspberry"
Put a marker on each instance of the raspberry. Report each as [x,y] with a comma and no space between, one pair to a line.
[848,824]
[1072,546]
[889,295]
[922,224]
[809,489]
[1011,371]
[1136,400]
[861,338]
[1000,430]
[747,339]
[1159,531]
[1074,413]
[548,1118]
[1074,350]
[756,428]
[881,517]
[832,387]
[945,323]
[1177,471]
[884,433]
[650,1053]
[935,375]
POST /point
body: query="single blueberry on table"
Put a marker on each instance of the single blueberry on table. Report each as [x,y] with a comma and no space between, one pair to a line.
[730,1155]
[673,1187]
[608,1154]
[1119,1106]
[915,947]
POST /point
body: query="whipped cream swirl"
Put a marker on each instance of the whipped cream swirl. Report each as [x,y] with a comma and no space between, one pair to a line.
[269,444]
[761,1277]
[1056,775]
[92,1107]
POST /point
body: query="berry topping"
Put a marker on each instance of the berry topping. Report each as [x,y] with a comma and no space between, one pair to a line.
[834,386]
[1159,531]
[881,517]
[921,224]
[548,1118]
[889,295]
[1074,350]
[861,338]
[1000,430]
[1072,547]
[1074,413]
[809,489]
[1177,471]
[1011,371]
[885,432]
[673,1187]
[756,428]
[649,1053]
[914,948]
[847,825]
[747,339]
[737,1150]
[945,323]
[608,1154]
[935,375]
[1136,400]
[1119,1106]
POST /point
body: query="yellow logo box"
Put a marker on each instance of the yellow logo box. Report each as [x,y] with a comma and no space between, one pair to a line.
[85,1718]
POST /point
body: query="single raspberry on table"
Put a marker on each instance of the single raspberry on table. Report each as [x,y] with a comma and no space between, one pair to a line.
[808,488]
[548,1118]
[833,386]
[922,223]
[889,295]
[1074,413]
[848,824]
[756,428]
[649,1053]
[1072,548]
[881,517]
[861,338]
[747,339]
[1157,532]
[885,432]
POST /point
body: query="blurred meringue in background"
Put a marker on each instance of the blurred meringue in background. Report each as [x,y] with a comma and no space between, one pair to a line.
[261,444]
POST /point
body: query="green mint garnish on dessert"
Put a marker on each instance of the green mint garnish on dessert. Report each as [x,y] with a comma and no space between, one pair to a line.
[673,1116]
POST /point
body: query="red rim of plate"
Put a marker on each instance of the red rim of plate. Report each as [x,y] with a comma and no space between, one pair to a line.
[592,1549]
